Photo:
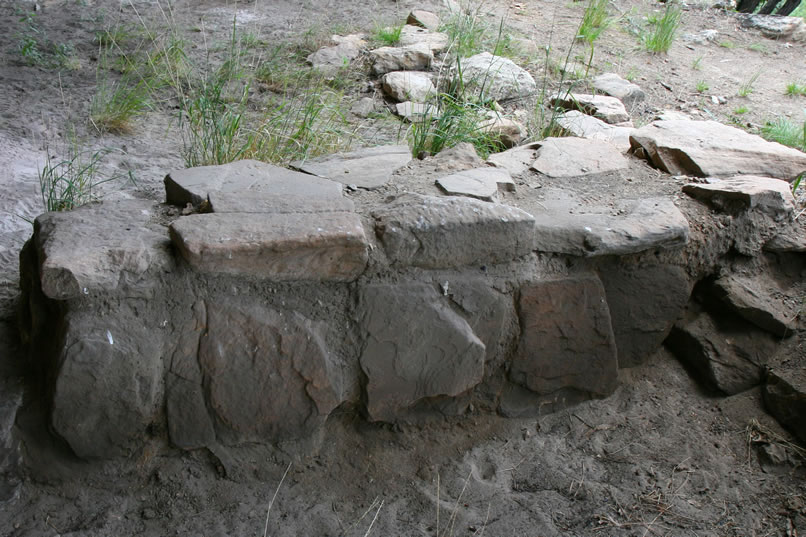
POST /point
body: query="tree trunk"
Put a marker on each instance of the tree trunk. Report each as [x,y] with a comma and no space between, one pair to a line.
[768,8]
[788,7]
[747,6]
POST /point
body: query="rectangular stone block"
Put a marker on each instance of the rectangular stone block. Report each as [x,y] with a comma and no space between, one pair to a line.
[282,247]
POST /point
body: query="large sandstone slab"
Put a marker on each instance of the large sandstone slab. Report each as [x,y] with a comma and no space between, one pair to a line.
[245,178]
[416,347]
[108,387]
[281,247]
[574,157]
[102,247]
[609,109]
[516,160]
[499,78]
[482,183]
[727,352]
[568,226]
[585,126]
[268,374]
[261,202]
[759,300]
[772,197]
[709,148]
[645,301]
[368,168]
[417,57]
[566,338]
[444,232]
[615,86]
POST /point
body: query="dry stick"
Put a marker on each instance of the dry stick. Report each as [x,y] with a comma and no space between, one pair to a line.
[437,503]
[456,505]
[280,484]
[486,519]
[374,519]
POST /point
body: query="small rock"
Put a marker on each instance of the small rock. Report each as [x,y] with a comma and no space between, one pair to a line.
[425,19]
[414,112]
[411,35]
[331,59]
[498,77]
[608,109]
[615,86]
[462,156]
[481,183]
[701,38]
[403,86]
[507,131]
[516,160]
[363,107]
[772,197]
[585,126]
[785,398]
[149,514]
[417,57]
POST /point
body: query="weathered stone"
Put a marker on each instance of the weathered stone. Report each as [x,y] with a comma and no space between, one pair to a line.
[108,388]
[363,107]
[566,337]
[415,35]
[408,86]
[727,352]
[644,302]
[634,226]
[785,398]
[481,183]
[280,247]
[489,312]
[786,242]
[584,126]
[499,78]
[416,347]
[506,131]
[609,109]
[331,59]
[462,156]
[359,40]
[776,27]
[268,374]
[416,57]
[103,247]
[772,197]
[410,111]
[370,167]
[426,19]
[245,178]
[758,300]
[615,86]
[516,160]
[701,38]
[433,232]
[671,115]
[189,423]
[573,157]
[261,202]
[709,148]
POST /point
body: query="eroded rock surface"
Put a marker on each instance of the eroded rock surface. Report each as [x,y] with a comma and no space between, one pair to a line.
[615,86]
[608,109]
[498,77]
[772,197]
[585,126]
[367,168]
[574,157]
[417,57]
[481,183]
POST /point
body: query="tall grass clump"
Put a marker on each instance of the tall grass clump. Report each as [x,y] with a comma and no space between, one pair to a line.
[388,35]
[116,103]
[795,88]
[663,30]
[786,132]
[594,21]
[746,88]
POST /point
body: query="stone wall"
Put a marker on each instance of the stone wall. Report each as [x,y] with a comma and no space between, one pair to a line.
[277,302]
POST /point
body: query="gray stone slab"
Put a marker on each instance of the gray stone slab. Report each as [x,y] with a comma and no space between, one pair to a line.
[280,247]
[417,57]
[443,232]
[516,160]
[615,86]
[609,109]
[260,202]
[584,126]
[574,157]
[481,183]
[772,197]
[245,177]
[366,168]
[759,300]
[500,78]
[414,35]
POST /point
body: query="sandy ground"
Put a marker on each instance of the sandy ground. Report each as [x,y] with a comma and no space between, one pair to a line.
[659,457]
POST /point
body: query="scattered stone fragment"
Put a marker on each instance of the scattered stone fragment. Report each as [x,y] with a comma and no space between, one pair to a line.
[574,157]
[462,156]
[709,148]
[566,340]
[671,115]
[615,86]
[415,35]
[569,227]
[772,197]
[416,57]
[410,111]
[788,241]
[645,301]
[369,168]
[363,107]
[268,374]
[758,300]
[726,351]
[609,109]
[584,126]
[785,398]
[500,78]
[359,40]
[245,178]
[481,183]
[425,19]
[506,131]
[701,38]
[77,256]
[330,59]
[403,86]
[108,387]
[516,160]
[776,27]
[432,232]
[279,247]
[416,347]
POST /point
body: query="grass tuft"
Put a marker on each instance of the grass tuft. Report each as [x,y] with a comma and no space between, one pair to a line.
[664,29]
[786,132]
[794,89]
[747,87]
[594,21]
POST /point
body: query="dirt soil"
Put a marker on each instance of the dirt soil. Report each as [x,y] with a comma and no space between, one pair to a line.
[661,456]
